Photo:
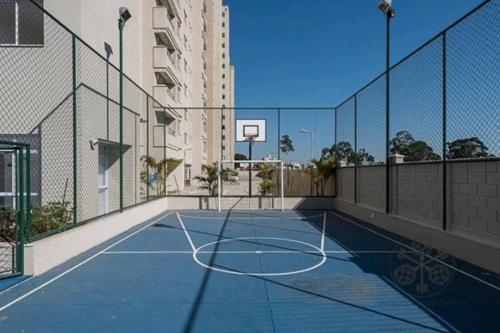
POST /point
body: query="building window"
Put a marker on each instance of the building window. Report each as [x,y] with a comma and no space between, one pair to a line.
[185,138]
[223,96]
[223,86]
[223,45]
[223,55]
[223,14]
[223,76]
[223,35]
[223,65]
[22,23]
[185,114]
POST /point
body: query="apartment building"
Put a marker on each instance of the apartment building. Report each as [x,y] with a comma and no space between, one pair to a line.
[178,51]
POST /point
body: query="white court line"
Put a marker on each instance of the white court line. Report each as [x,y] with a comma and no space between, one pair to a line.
[147,252]
[323,233]
[248,218]
[185,231]
[420,252]
[31,292]
[250,252]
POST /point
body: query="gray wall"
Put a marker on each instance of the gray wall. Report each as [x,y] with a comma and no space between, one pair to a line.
[473,195]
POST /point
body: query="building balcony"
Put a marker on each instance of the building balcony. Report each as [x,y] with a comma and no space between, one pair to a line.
[166,33]
[164,95]
[165,66]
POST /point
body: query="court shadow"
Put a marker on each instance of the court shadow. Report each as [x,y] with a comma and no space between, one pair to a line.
[455,293]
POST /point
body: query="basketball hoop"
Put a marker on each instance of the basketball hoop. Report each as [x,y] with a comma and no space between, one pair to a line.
[250,137]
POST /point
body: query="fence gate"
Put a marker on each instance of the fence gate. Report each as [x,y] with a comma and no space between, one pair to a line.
[14,205]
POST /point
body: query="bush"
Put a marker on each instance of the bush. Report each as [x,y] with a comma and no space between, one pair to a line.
[51,216]
[8,227]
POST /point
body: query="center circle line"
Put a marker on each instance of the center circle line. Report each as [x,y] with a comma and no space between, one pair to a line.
[317,250]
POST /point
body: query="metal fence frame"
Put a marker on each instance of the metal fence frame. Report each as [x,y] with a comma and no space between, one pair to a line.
[442,37]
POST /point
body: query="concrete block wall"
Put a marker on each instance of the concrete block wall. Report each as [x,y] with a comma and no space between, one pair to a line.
[371,186]
[474,197]
[346,183]
[417,192]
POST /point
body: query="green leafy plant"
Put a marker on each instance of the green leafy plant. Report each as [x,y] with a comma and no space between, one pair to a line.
[209,178]
[8,226]
[51,216]
[321,171]
[161,170]
[267,185]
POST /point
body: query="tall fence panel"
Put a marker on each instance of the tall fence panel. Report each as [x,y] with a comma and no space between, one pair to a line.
[444,142]
[416,100]
[371,152]
[63,98]
[345,149]
[473,122]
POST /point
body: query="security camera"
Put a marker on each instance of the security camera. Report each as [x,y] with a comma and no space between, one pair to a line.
[93,142]
[124,14]
[385,6]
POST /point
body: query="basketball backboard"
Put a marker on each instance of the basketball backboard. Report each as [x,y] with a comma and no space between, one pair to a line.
[250,128]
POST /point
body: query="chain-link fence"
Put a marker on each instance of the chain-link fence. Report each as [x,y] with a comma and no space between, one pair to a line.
[443,149]
[63,98]
[302,137]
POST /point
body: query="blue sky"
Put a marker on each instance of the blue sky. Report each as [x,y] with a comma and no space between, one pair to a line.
[316,53]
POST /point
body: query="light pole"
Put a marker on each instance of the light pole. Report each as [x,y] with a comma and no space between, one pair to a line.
[124,16]
[386,7]
[311,137]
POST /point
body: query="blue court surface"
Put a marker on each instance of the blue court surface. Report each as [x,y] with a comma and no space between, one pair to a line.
[256,271]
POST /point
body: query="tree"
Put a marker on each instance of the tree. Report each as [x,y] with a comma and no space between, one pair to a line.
[266,172]
[160,170]
[361,157]
[321,171]
[209,178]
[286,144]
[239,157]
[401,142]
[343,151]
[412,150]
[467,148]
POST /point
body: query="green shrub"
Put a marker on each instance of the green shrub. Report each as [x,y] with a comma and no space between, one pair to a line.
[7,224]
[51,216]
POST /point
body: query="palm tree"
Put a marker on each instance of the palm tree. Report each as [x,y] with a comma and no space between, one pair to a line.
[209,178]
[286,146]
[161,171]
[267,185]
[321,171]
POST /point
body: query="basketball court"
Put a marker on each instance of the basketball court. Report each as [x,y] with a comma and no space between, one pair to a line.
[255,271]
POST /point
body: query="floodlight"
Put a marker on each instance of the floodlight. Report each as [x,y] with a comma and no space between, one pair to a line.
[124,14]
[385,6]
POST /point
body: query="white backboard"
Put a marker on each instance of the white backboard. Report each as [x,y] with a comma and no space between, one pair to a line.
[255,127]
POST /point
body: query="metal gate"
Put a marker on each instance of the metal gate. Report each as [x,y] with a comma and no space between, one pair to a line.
[15,203]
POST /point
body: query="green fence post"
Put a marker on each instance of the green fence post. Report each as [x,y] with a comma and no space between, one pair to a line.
[75,181]
[444,132]
[20,211]
[356,149]
[279,135]
[147,148]
[165,157]
[28,193]
[120,28]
